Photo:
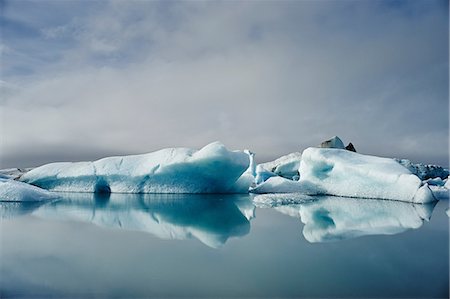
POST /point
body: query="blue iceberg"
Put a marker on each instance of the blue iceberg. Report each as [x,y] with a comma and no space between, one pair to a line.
[212,169]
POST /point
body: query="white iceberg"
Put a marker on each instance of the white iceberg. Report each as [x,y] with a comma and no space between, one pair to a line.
[212,169]
[207,218]
[262,175]
[277,184]
[11,190]
[285,166]
[247,179]
[341,172]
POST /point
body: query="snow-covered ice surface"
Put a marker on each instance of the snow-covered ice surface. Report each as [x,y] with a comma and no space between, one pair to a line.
[329,218]
[285,166]
[277,184]
[344,173]
[212,169]
[11,190]
[179,217]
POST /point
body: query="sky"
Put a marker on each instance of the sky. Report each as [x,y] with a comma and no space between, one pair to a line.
[81,80]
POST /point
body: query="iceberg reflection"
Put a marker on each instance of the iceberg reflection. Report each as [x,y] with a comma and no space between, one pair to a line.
[330,218]
[211,220]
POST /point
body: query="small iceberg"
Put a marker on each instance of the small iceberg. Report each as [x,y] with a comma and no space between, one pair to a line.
[285,166]
[212,169]
[11,190]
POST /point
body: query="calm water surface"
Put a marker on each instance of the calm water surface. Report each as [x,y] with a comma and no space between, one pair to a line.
[138,246]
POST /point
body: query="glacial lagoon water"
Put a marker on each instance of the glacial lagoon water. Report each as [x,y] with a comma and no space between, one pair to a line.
[192,246]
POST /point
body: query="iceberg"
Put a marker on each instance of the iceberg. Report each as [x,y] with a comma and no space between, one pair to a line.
[212,169]
[330,218]
[11,190]
[285,166]
[339,172]
[209,219]
[247,179]
[424,171]
[277,184]
[345,173]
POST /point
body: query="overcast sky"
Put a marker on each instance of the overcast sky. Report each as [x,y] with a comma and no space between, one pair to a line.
[84,79]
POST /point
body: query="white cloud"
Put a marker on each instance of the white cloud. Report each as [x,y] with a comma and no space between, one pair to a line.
[274,77]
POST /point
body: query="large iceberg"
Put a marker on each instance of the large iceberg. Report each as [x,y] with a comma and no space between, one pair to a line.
[212,169]
[330,171]
[11,190]
[207,218]
[329,218]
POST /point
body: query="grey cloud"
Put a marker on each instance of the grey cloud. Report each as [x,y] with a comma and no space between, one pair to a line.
[270,76]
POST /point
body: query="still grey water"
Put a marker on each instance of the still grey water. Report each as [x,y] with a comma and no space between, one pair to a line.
[139,246]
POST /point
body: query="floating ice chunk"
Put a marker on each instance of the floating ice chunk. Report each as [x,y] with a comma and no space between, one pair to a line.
[247,179]
[337,218]
[262,174]
[11,190]
[424,171]
[285,166]
[334,142]
[277,184]
[212,169]
[167,216]
[345,173]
